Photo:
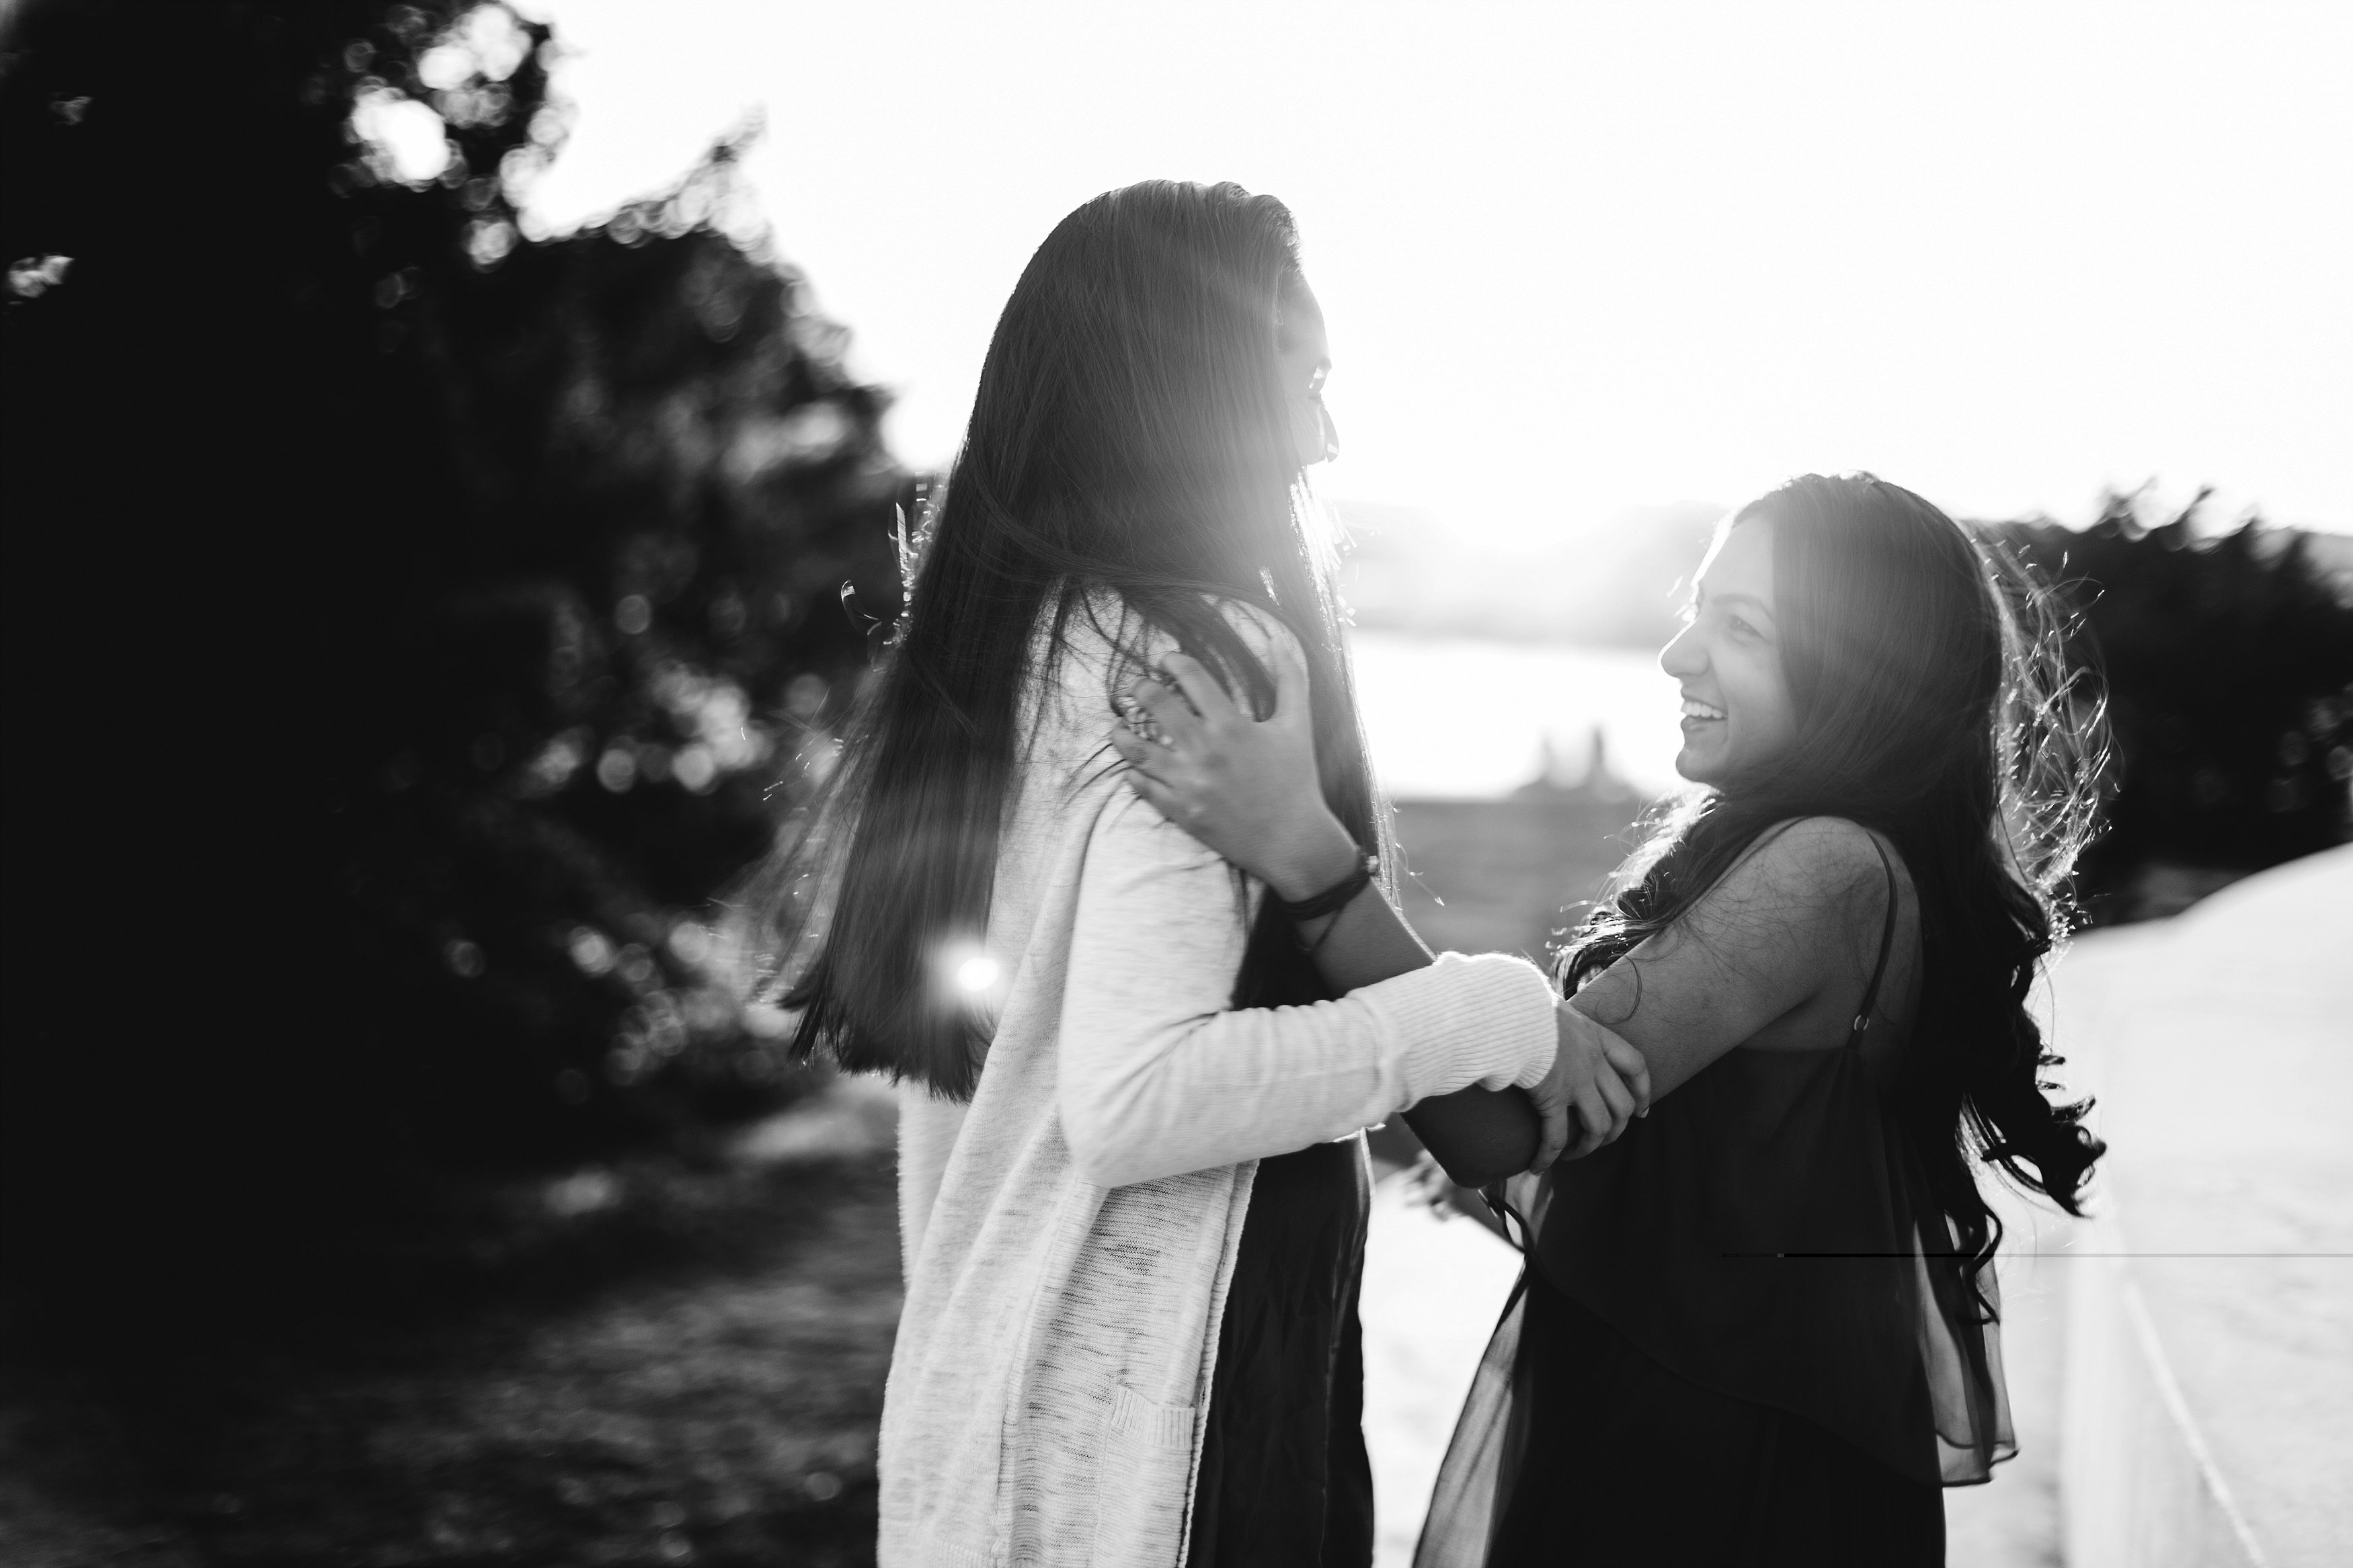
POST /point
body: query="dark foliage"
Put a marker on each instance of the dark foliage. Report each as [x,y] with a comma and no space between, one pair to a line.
[406,621]
[2228,666]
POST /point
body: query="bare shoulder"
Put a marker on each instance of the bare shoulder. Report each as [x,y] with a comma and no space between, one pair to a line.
[1814,870]
[1793,919]
[1825,851]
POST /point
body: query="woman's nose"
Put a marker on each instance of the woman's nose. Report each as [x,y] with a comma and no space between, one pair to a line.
[1682,658]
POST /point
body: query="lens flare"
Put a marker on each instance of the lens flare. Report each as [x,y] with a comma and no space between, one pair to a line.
[977,973]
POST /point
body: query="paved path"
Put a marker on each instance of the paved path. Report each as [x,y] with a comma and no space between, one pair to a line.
[2220,1043]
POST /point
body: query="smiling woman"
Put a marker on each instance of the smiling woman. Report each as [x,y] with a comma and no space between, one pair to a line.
[1893,793]
[1853,653]
[1737,710]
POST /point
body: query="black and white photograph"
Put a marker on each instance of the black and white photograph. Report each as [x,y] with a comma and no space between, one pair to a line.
[1056,784]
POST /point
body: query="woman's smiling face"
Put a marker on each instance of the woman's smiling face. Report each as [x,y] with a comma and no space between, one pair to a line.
[1737,711]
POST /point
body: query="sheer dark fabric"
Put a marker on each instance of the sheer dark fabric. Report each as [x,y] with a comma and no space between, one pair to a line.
[1284,1479]
[1656,1469]
[1758,1265]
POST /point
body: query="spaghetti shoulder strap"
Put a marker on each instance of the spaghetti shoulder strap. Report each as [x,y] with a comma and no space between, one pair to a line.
[1887,943]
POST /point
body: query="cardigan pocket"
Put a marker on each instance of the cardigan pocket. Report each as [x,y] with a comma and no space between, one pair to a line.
[1143,1483]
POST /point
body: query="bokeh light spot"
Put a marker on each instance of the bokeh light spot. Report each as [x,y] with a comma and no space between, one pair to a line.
[583,1193]
[408,140]
[37,274]
[488,240]
[695,767]
[690,941]
[591,951]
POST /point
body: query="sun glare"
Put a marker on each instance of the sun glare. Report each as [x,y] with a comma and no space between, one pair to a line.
[1582,259]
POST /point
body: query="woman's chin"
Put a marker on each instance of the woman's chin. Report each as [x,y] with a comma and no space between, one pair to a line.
[1701,767]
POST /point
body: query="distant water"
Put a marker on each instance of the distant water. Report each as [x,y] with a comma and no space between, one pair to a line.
[1459,717]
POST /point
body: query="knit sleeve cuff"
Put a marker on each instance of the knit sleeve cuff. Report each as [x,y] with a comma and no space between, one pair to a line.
[1484,1019]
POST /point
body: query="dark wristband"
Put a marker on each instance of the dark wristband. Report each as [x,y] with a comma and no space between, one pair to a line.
[1336,897]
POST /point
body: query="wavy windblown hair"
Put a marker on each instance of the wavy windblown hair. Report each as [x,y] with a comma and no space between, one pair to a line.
[1935,704]
[1130,440]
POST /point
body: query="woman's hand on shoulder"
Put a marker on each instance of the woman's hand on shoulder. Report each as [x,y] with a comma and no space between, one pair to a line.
[1249,789]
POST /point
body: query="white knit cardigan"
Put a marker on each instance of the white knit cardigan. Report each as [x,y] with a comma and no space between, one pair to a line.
[1069,1234]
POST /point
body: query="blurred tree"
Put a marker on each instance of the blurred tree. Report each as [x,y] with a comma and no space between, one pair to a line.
[2228,666]
[408,617]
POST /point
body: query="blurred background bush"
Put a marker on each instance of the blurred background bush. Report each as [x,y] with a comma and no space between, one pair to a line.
[2228,661]
[413,623]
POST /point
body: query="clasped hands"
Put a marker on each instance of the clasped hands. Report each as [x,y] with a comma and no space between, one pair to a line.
[1251,790]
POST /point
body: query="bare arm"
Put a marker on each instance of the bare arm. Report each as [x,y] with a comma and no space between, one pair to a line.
[1249,790]
[1781,945]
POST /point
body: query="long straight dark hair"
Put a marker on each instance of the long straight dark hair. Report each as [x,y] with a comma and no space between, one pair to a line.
[1129,445]
[1936,704]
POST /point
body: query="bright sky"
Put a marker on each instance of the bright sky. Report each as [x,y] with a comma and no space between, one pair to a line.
[1580,257]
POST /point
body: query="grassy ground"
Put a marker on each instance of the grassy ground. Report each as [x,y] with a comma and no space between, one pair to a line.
[666,1363]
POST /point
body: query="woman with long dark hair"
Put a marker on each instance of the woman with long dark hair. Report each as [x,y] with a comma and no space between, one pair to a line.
[1762,1326]
[1133,1188]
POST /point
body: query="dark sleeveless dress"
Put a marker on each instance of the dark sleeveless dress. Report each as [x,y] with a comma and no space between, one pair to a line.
[1283,1472]
[1742,1337]
[1284,1480]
